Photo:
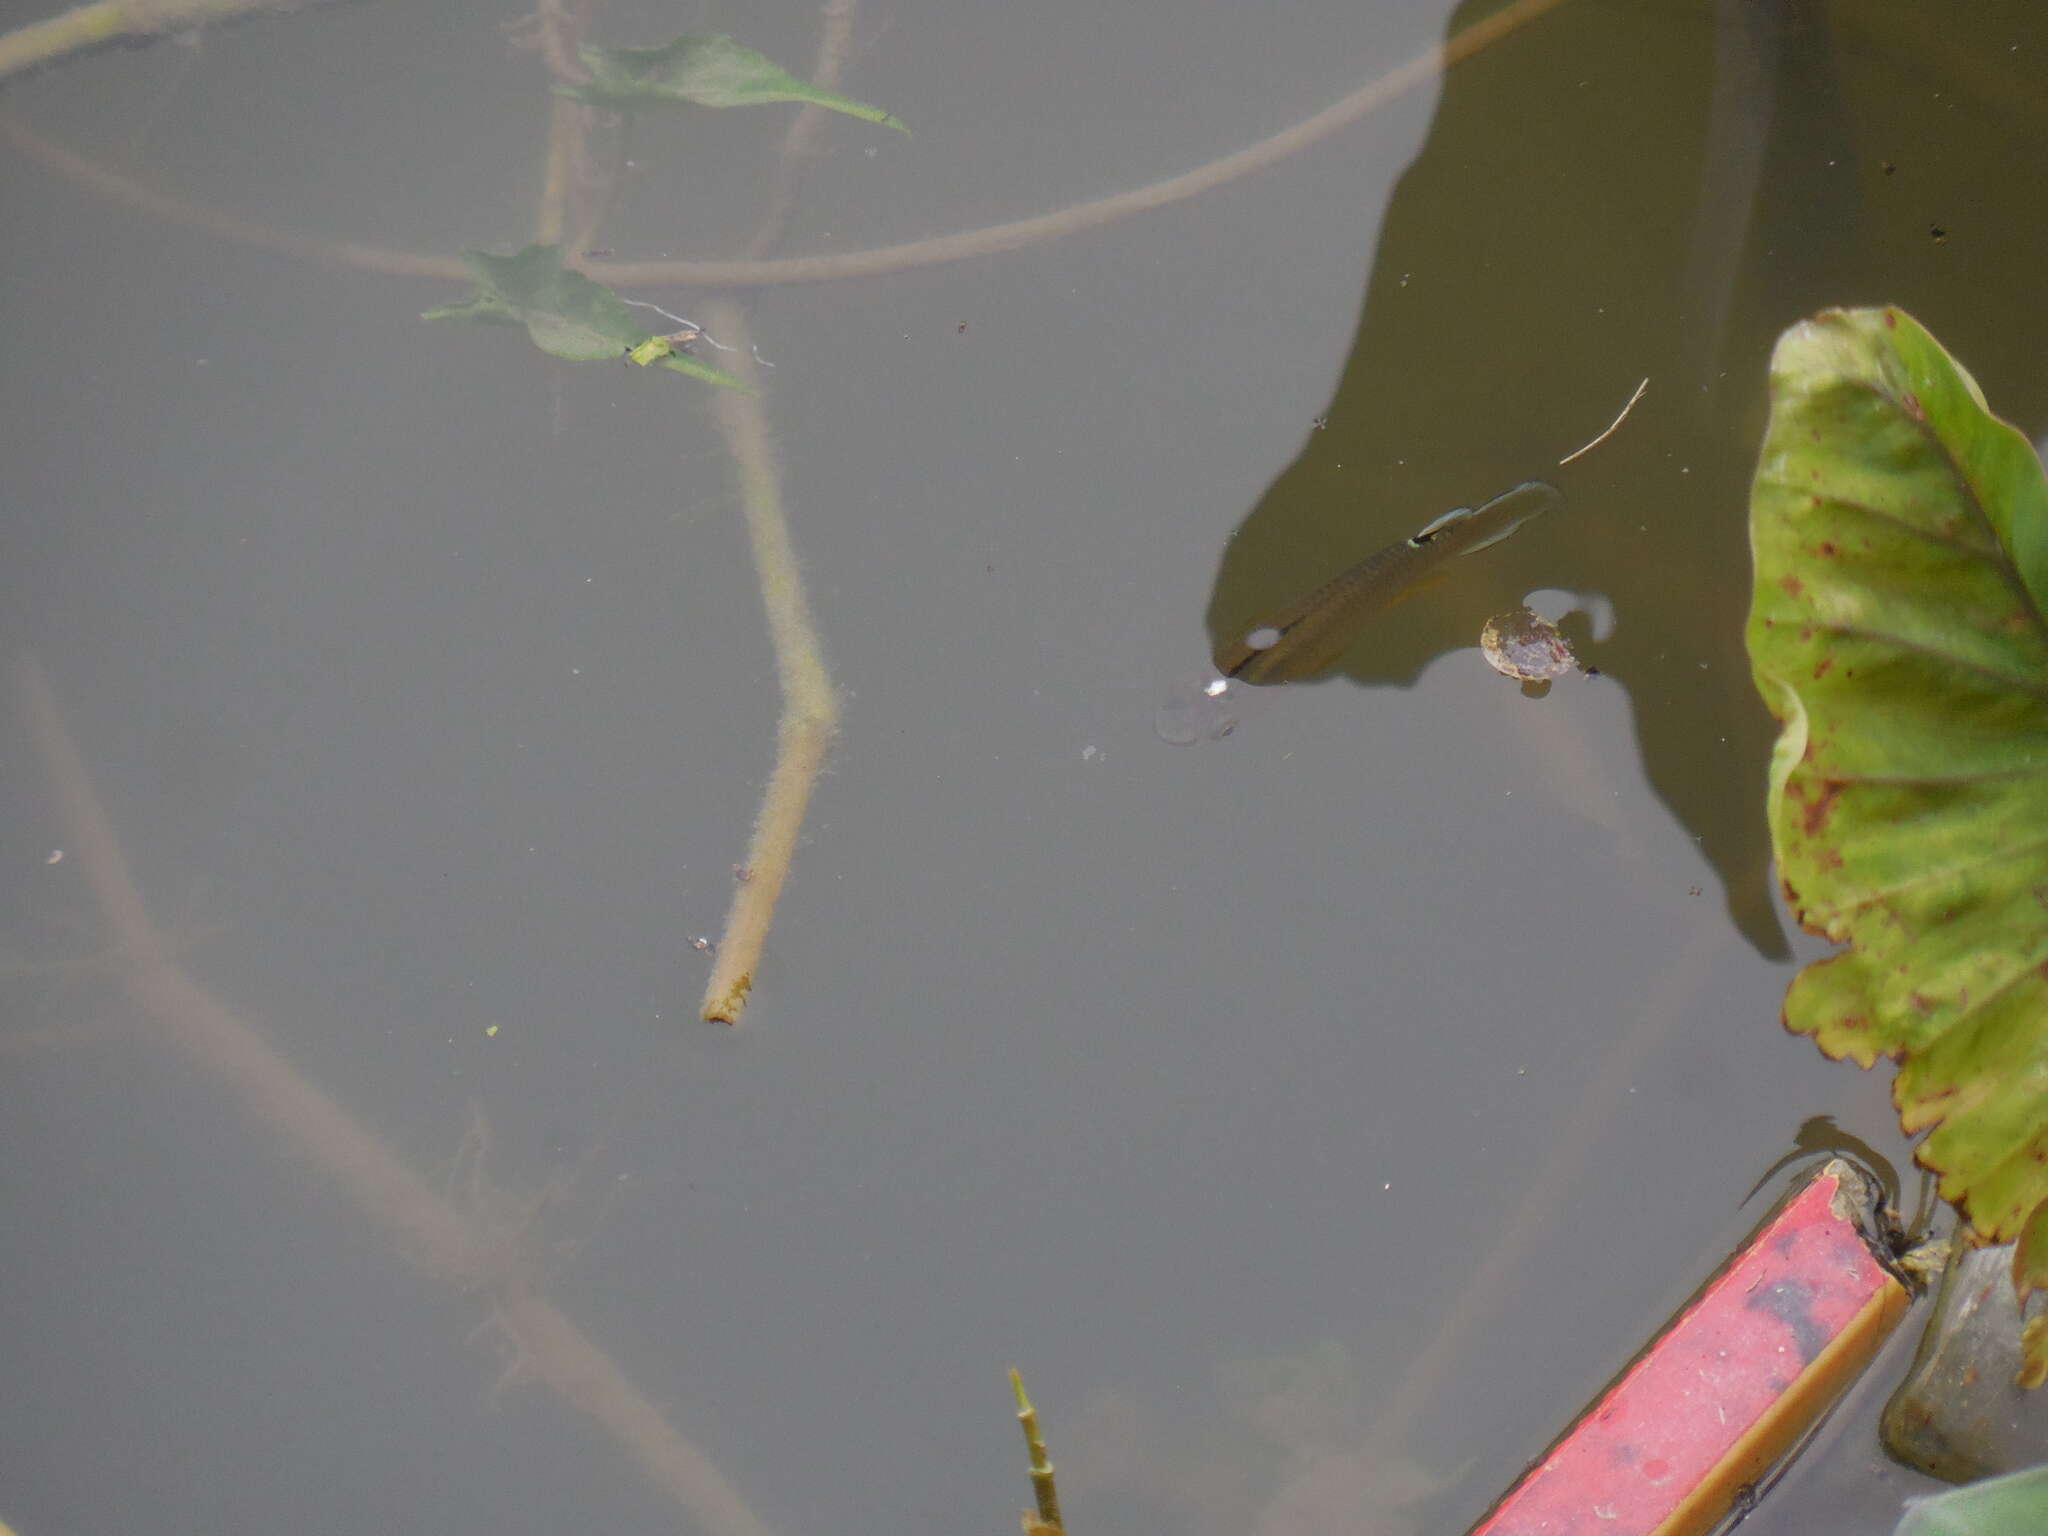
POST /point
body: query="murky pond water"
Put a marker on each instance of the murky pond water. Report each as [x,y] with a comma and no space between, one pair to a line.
[1317,1118]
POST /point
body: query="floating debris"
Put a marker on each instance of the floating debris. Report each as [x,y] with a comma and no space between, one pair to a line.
[1612,427]
[691,330]
[1527,647]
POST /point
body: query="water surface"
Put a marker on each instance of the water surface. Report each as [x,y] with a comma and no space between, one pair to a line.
[424,684]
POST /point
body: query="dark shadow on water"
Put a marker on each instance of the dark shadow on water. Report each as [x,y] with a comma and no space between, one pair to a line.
[1617,192]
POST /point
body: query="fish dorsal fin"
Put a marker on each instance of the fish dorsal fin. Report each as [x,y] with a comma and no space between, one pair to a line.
[1438,525]
[1514,508]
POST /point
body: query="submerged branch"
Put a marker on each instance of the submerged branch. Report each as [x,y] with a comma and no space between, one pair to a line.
[430,1229]
[799,143]
[575,195]
[120,187]
[1374,94]
[117,21]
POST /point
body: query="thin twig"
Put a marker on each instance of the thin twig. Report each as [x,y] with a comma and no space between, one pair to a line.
[428,1227]
[697,332]
[1589,447]
[1425,66]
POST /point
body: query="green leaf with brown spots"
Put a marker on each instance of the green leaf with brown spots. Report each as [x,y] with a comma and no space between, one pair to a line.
[1897,631]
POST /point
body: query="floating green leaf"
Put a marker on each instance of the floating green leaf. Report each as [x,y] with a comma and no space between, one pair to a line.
[707,70]
[1897,632]
[565,313]
[2013,1505]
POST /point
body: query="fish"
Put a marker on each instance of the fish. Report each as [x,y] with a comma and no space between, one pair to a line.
[1303,638]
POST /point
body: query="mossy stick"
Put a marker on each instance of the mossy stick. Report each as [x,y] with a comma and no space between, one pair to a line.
[810,706]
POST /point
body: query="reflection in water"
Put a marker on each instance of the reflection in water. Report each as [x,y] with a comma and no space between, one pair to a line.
[1290,1448]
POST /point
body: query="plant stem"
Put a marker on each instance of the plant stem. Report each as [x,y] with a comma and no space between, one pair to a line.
[799,143]
[89,26]
[1043,1489]
[810,705]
